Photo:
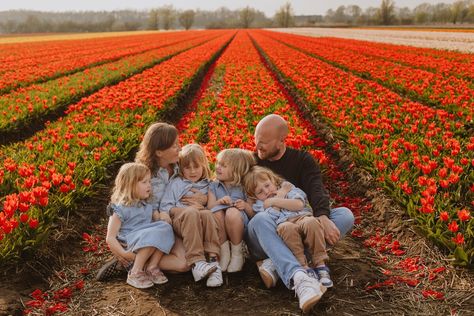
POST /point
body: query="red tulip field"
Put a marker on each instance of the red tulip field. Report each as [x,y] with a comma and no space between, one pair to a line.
[391,126]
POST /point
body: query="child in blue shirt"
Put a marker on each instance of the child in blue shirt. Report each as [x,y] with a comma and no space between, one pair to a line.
[228,201]
[192,221]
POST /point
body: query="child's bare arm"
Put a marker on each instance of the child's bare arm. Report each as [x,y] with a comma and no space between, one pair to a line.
[289,204]
[284,189]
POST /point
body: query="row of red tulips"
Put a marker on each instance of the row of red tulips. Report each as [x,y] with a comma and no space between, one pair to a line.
[26,63]
[450,93]
[446,63]
[48,173]
[419,155]
[25,105]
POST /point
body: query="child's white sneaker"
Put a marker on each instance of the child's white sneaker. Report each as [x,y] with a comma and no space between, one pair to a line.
[237,258]
[202,270]
[215,279]
[224,256]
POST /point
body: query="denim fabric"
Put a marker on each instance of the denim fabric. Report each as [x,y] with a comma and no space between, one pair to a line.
[264,242]
[177,189]
[159,181]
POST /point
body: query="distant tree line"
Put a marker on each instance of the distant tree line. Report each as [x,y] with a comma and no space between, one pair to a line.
[459,12]
[167,17]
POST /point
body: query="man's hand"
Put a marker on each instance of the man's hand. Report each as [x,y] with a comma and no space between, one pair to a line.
[331,232]
[196,198]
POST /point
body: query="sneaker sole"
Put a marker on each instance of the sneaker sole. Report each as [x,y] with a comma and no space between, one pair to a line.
[266,278]
[140,287]
[209,272]
[309,304]
[108,270]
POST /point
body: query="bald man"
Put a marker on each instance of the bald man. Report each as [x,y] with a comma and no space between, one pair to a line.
[299,168]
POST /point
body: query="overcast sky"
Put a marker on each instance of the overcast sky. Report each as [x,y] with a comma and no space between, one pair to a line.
[300,7]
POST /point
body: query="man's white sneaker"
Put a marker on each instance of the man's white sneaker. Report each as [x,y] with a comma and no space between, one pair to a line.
[215,278]
[309,292]
[268,272]
[202,270]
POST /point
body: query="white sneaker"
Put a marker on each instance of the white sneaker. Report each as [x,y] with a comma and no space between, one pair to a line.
[224,256]
[202,270]
[215,279]
[268,272]
[237,258]
[309,292]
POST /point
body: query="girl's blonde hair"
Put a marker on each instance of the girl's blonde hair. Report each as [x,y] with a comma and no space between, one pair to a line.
[159,136]
[194,154]
[258,174]
[240,161]
[126,181]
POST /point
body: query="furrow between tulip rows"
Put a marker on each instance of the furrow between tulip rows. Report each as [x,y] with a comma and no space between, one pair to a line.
[422,157]
[47,174]
[28,63]
[447,92]
[26,110]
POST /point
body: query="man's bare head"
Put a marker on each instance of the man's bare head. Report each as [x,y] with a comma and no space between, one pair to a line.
[270,135]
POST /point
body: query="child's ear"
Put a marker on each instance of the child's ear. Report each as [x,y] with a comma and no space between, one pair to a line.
[158,153]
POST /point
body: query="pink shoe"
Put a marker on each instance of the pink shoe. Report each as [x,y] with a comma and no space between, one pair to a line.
[157,276]
[140,280]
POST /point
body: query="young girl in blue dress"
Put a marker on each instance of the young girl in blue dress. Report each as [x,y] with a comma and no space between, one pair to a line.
[228,201]
[134,231]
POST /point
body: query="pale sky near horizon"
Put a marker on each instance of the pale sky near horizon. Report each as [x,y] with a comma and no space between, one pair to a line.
[269,7]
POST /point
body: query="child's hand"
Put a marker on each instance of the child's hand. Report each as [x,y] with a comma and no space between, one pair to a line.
[196,198]
[226,200]
[241,205]
[283,190]
[268,202]
[165,217]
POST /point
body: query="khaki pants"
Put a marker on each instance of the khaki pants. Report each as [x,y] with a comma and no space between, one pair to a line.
[198,229]
[302,232]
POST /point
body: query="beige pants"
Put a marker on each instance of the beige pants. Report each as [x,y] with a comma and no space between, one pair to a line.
[198,229]
[302,232]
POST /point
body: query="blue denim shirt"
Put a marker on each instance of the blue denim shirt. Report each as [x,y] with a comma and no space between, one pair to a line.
[179,187]
[159,181]
[283,214]
[220,190]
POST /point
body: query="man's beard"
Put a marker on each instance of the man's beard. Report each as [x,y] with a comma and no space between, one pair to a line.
[271,155]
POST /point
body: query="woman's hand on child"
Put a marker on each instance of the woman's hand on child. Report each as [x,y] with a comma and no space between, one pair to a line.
[196,198]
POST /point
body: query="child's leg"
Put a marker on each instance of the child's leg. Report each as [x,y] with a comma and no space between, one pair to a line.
[155,259]
[310,227]
[210,232]
[175,261]
[141,258]
[289,232]
[187,224]
[234,224]
[219,217]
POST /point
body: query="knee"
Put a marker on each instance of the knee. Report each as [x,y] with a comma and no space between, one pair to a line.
[262,221]
[348,216]
[232,214]
[182,267]
[284,228]
[190,213]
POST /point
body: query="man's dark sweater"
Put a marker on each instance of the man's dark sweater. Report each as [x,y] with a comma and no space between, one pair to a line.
[299,168]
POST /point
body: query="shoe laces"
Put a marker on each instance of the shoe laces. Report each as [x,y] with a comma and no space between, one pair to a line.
[303,288]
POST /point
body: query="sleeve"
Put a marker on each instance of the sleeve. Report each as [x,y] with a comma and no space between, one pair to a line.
[119,210]
[169,199]
[297,194]
[258,206]
[312,184]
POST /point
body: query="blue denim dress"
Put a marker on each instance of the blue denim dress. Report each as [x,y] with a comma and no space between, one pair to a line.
[138,229]
[236,193]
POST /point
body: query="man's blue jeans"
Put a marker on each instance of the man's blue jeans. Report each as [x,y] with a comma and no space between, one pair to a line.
[264,242]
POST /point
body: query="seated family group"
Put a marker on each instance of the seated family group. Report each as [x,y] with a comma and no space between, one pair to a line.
[169,213]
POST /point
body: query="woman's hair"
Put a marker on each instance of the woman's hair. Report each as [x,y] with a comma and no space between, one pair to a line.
[240,161]
[194,154]
[257,174]
[126,181]
[159,136]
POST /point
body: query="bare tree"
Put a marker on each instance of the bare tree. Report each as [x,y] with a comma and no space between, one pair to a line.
[247,15]
[386,12]
[167,14]
[284,17]
[186,19]
[153,20]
